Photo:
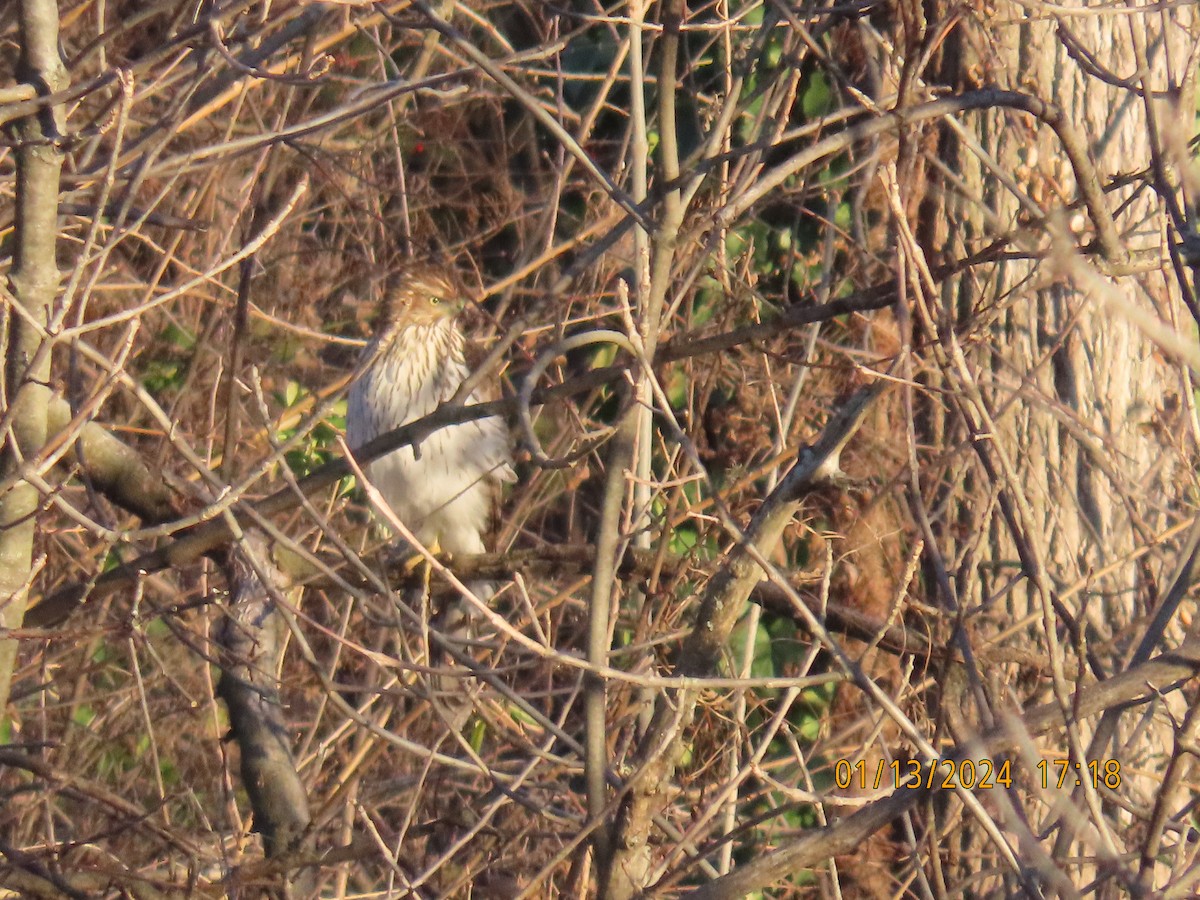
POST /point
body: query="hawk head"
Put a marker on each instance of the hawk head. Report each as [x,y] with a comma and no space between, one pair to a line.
[422,296]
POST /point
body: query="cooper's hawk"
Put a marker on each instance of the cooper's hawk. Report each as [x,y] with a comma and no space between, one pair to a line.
[447,491]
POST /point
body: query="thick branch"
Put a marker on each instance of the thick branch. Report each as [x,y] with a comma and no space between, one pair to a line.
[34,280]
[115,469]
[252,638]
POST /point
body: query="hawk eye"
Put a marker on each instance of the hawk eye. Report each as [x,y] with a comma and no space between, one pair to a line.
[435,300]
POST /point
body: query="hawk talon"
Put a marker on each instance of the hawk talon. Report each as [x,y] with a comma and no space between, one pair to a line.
[415,561]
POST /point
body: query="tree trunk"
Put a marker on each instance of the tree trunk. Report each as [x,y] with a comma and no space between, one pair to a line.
[34,281]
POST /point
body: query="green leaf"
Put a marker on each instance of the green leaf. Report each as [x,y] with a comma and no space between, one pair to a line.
[102,654]
[817,98]
[112,560]
[677,387]
[169,774]
[763,664]
[810,728]
[478,732]
[683,539]
[519,715]
[774,54]
[157,628]
[178,337]
[709,295]
[841,218]
[162,375]
[685,756]
[604,356]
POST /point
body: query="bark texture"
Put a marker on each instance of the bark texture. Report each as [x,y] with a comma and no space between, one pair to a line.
[1074,422]
[252,637]
[34,280]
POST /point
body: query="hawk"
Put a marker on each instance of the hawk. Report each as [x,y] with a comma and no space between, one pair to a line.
[447,491]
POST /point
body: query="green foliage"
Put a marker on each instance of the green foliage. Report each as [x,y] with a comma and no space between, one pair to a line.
[285,347]
[162,375]
[816,97]
[166,769]
[779,650]
[165,373]
[178,337]
[319,445]
[109,673]
[685,539]
[603,356]
[785,239]
[83,715]
[675,385]
[520,715]
[117,759]
[706,300]
[476,734]
[112,560]
[102,654]
[763,663]
[686,754]
[753,239]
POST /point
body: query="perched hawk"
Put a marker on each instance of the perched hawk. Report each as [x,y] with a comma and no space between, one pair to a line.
[447,492]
